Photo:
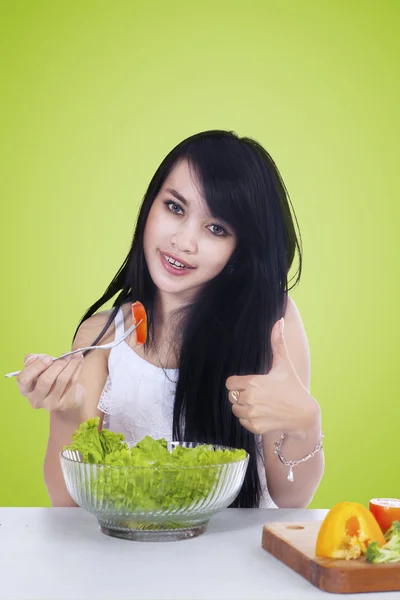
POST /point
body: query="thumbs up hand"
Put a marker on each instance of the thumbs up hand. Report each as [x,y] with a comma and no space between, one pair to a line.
[277,401]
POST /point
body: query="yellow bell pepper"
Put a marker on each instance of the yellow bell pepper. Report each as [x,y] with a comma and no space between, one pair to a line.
[346,531]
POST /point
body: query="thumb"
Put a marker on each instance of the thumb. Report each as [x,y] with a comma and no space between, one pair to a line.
[279,350]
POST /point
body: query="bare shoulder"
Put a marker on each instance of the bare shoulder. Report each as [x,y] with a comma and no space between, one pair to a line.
[297,342]
[292,314]
[91,328]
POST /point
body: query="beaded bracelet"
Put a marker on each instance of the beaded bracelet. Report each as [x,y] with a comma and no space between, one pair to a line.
[293,463]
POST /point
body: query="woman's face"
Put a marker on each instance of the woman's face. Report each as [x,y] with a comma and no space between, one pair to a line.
[184,246]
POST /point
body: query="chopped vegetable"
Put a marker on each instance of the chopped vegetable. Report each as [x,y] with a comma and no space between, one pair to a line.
[86,440]
[346,531]
[390,551]
[139,314]
[170,484]
[110,441]
[385,511]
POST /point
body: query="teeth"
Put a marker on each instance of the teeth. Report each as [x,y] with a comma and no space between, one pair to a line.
[174,262]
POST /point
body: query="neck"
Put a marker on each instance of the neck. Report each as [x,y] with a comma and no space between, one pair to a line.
[165,305]
[167,325]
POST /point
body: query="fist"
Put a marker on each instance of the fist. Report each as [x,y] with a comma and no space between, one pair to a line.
[52,385]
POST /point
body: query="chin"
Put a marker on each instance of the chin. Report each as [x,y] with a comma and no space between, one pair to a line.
[176,287]
[171,288]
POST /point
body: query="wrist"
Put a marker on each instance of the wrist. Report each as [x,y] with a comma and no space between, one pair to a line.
[308,423]
[291,464]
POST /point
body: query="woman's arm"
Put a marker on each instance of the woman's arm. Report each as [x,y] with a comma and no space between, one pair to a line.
[307,475]
[63,423]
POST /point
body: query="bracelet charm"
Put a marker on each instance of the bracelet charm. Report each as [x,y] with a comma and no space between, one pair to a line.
[293,463]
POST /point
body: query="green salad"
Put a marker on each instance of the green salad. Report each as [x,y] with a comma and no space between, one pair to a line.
[171,484]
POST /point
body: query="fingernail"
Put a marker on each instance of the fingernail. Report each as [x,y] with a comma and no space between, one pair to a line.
[47,360]
[282,324]
[78,356]
[30,359]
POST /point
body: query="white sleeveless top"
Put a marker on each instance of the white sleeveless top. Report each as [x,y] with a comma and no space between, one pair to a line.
[138,400]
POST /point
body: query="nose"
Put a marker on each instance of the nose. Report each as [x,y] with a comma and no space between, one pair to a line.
[185,239]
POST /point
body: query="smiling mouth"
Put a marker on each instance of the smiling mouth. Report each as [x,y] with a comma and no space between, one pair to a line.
[174,262]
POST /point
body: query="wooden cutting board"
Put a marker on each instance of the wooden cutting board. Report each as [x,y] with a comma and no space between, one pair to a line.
[294,544]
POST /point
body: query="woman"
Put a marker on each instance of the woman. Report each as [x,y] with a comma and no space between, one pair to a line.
[210,258]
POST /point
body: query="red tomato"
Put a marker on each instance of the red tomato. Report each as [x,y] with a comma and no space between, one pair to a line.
[385,511]
[139,314]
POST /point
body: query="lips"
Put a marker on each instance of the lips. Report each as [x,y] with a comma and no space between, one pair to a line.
[174,265]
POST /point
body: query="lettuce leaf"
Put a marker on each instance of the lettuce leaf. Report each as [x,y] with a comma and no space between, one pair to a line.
[86,440]
[170,484]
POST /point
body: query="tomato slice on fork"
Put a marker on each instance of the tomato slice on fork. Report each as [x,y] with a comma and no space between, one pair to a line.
[139,314]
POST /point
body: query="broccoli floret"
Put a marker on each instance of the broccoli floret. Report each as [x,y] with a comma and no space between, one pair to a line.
[393,531]
[373,552]
[389,552]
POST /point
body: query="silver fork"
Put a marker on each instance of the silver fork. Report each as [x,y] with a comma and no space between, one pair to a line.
[103,347]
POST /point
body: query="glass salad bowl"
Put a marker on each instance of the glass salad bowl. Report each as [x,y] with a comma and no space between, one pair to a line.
[148,503]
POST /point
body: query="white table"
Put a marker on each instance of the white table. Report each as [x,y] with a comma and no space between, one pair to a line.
[60,554]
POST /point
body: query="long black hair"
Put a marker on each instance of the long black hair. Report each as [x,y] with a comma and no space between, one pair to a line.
[227,329]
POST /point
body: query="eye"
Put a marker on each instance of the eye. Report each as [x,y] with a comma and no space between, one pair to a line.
[174,207]
[217,230]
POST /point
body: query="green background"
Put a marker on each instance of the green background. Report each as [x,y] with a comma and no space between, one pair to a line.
[94,94]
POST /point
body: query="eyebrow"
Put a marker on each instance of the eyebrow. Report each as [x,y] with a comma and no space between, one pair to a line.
[177,195]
